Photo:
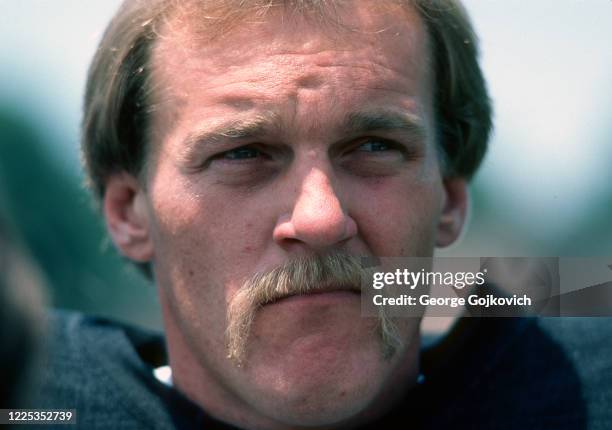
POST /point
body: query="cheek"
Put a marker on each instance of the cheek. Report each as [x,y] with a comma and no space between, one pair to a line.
[195,240]
[202,235]
[399,217]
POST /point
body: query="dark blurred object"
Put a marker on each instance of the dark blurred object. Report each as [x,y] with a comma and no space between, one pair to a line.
[61,229]
[21,317]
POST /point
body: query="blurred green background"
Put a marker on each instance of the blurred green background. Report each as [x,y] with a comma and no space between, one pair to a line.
[545,188]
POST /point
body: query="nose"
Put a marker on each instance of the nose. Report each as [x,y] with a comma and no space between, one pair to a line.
[318,219]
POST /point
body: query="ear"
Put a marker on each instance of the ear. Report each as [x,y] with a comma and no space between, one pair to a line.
[454,210]
[126,217]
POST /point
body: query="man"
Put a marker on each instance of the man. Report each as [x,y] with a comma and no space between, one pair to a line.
[245,154]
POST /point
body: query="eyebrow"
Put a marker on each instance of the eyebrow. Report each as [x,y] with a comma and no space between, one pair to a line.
[261,125]
[385,120]
[248,128]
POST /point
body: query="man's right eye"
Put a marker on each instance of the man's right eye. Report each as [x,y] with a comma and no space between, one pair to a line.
[242,153]
[246,165]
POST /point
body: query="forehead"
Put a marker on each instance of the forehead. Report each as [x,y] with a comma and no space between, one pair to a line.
[271,53]
[193,24]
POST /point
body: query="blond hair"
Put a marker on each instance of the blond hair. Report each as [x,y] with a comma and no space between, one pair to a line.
[117,106]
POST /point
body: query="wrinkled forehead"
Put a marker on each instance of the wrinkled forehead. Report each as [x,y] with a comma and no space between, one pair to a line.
[231,37]
[362,52]
[210,20]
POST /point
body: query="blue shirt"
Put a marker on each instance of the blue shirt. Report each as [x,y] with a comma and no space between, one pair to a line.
[487,373]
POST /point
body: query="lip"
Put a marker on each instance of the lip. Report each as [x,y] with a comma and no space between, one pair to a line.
[319,297]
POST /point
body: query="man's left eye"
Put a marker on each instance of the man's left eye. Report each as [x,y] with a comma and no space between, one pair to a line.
[374,146]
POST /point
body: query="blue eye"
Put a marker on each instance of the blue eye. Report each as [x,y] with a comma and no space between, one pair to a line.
[374,146]
[242,153]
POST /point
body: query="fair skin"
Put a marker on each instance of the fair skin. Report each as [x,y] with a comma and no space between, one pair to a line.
[279,140]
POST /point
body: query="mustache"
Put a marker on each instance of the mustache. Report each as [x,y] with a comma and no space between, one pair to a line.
[306,275]
[319,273]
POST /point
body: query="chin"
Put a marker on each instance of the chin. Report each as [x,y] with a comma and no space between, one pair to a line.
[320,379]
[323,365]
[324,401]
[323,412]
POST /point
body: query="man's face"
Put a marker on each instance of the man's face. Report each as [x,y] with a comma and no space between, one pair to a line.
[284,139]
